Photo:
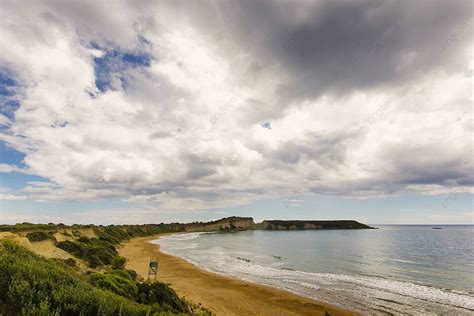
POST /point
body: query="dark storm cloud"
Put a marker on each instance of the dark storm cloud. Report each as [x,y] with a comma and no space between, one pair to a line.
[428,166]
[370,44]
[341,46]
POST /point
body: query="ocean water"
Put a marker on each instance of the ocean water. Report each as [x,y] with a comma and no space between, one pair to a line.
[413,270]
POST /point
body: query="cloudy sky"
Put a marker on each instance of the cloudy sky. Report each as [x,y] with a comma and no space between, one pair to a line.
[151,111]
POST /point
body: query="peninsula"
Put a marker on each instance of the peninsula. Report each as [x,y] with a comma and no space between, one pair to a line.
[107,267]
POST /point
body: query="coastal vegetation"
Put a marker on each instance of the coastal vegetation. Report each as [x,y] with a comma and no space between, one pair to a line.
[33,285]
[101,250]
[30,226]
[93,250]
[115,234]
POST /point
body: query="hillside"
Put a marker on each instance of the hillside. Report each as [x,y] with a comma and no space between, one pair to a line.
[233,223]
[310,225]
[34,285]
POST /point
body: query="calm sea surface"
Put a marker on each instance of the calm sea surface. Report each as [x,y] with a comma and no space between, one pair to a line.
[391,270]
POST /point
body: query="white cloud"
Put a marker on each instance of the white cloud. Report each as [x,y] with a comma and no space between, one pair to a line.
[8,195]
[187,133]
[6,168]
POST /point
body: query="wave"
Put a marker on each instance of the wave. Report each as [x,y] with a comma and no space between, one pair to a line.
[350,290]
[178,237]
[217,262]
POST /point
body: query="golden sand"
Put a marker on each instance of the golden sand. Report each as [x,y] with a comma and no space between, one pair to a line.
[222,295]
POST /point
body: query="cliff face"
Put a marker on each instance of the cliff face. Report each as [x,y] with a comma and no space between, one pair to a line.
[303,225]
[226,224]
[246,223]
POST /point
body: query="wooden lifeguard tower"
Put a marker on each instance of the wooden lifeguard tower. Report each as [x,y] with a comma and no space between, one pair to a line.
[153,268]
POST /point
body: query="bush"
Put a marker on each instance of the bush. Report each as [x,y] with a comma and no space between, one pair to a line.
[83,239]
[133,274]
[95,251]
[118,262]
[157,292]
[70,262]
[40,236]
[119,283]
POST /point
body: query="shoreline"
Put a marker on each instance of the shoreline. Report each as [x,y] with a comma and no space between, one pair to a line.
[221,294]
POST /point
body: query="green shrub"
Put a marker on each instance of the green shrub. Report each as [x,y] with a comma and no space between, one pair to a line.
[133,274]
[95,251]
[40,236]
[119,283]
[157,292]
[70,262]
[118,262]
[83,239]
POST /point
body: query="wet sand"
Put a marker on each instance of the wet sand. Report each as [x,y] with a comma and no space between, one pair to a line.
[222,295]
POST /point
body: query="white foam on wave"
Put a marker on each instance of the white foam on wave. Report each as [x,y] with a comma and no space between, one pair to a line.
[178,237]
[395,287]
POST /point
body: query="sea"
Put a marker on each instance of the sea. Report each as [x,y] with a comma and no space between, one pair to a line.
[392,270]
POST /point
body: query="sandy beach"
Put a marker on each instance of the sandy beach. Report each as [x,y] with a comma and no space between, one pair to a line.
[222,295]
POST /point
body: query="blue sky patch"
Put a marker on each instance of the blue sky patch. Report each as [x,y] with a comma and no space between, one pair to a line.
[266,125]
[6,83]
[14,180]
[17,181]
[113,65]
[11,156]
[8,103]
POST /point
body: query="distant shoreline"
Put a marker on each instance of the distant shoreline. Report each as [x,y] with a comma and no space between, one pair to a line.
[222,295]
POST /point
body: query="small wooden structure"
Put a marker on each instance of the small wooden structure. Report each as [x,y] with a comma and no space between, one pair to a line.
[153,268]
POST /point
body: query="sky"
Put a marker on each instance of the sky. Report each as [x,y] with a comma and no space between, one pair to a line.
[160,111]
